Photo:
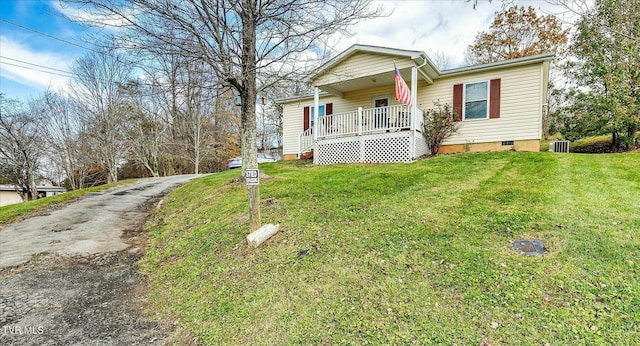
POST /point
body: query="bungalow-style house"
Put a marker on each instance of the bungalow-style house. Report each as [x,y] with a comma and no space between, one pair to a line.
[353,115]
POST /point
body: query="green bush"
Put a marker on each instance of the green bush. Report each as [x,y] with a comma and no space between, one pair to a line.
[439,124]
[592,145]
[597,145]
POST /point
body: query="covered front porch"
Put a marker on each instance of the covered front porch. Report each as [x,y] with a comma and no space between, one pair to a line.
[370,125]
[380,134]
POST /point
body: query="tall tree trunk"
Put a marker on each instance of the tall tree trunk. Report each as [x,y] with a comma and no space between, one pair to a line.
[248,117]
[197,143]
[33,190]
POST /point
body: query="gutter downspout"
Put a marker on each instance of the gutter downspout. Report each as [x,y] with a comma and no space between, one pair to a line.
[414,107]
[316,106]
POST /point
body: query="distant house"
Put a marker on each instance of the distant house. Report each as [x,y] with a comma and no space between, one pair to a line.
[8,194]
[353,116]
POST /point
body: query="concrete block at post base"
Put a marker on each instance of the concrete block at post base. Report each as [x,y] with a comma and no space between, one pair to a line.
[262,234]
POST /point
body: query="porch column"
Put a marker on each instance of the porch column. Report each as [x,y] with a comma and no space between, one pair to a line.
[316,105]
[359,120]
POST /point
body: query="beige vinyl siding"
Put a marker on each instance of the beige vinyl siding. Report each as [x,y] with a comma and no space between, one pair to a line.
[361,65]
[520,105]
[292,118]
[9,197]
[522,90]
[363,98]
[292,121]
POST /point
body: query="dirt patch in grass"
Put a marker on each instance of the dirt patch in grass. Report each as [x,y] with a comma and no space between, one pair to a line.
[54,300]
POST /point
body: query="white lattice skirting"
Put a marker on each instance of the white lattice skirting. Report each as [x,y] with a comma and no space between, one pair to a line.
[374,148]
[421,145]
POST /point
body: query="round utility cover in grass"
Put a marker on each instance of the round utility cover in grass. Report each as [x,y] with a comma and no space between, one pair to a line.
[529,247]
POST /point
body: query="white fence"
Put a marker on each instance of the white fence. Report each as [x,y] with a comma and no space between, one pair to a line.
[365,121]
[305,142]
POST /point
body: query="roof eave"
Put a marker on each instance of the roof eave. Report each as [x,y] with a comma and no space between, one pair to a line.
[497,65]
[432,71]
[299,98]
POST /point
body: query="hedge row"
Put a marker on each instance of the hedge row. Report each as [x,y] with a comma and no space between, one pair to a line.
[594,145]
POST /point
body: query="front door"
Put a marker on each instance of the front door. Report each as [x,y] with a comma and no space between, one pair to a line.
[380,111]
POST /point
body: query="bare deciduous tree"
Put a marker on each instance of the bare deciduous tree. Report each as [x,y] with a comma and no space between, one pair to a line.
[145,127]
[440,59]
[97,91]
[21,145]
[67,139]
[197,114]
[249,44]
[226,128]
[186,98]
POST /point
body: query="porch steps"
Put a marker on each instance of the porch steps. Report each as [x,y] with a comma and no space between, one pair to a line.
[307,155]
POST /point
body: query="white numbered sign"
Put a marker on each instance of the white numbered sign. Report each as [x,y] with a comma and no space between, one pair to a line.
[252,176]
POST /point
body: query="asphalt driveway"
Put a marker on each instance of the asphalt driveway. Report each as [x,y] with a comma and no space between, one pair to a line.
[67,277]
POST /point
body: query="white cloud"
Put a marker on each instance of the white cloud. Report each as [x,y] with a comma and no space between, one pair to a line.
[28,74]
[429,26]
[82,14]
[446,26]
[432,25]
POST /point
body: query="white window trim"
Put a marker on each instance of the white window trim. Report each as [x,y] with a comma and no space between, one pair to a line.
[380,97]
[312,110]
[464,100]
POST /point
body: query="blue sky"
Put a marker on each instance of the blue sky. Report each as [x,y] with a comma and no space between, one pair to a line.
[433,26]
[22,43]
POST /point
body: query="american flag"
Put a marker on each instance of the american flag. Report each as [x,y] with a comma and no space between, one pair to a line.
[403,94]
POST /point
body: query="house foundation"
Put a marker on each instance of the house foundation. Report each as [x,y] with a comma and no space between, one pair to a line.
[523,145]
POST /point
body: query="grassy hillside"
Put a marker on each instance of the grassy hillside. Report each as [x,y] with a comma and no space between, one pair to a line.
[408,253]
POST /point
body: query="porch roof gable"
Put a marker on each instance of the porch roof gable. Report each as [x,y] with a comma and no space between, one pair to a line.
[357,48]
[342,73]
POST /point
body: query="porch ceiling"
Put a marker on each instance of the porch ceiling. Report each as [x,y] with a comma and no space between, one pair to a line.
[368,82]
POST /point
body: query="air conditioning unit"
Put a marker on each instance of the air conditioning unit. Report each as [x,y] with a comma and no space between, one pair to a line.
[559,146]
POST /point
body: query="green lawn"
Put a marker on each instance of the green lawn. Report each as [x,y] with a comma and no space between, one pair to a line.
[407,253]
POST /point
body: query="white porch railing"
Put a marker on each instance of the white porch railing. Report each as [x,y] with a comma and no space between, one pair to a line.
[305,142]
[360,122]
[365,121]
